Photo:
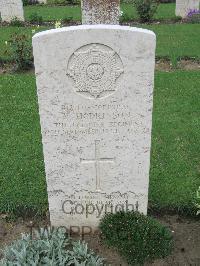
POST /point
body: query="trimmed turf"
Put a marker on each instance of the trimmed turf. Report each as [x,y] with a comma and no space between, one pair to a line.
[174,177]
[52,13]
[175,172]
[173,40]
[177,40]
[22,182]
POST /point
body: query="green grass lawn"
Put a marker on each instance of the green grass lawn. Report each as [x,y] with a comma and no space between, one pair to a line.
[49,13]
[175,172]
[6,33]
[173,41]
[177,40]
[22,182]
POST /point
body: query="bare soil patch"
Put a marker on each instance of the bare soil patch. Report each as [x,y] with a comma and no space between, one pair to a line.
[189,65]
[183,64]
[163,65]
[185,230]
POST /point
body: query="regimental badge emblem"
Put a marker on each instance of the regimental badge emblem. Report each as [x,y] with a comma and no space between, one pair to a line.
[95,69]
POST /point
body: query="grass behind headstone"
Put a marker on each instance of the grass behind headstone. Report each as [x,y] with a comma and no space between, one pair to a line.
[52,13]
[173,40]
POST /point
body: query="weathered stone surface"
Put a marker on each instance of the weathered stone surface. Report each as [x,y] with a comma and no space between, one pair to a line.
[42,1]
[184,6]
[95,86]
[10,9]
[100,12]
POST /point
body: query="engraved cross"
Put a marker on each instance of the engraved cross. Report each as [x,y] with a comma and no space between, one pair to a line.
[97,161]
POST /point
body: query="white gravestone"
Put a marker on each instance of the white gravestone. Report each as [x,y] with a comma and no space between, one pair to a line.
[10,9]
[95,90]
[42,1]
[100,12]
[184,6]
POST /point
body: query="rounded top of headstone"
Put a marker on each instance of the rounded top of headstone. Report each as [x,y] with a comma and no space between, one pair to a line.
[94,27]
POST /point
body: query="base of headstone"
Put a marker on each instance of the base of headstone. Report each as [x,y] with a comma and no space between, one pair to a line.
[183,7]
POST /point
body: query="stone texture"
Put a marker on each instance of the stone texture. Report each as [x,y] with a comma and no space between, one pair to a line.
[100,11]
[95,86]
[10,9]
[42,1]
[184,6]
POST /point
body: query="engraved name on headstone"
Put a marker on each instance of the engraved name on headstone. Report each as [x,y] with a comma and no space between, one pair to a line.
[95,94]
